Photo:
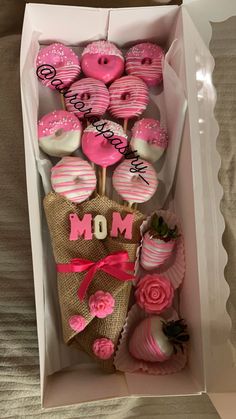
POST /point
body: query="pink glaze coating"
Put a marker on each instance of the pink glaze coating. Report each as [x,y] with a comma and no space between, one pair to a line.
[77,323]
[150,130]
[100,142]
[73,178]
[154,293]
[59,133]
[101,304]
[65,62]
[57,120]
[149,139]
[148,341]
[87,94]
[131,186]
[128,97]
[102,60]
[145,61]
[103,348]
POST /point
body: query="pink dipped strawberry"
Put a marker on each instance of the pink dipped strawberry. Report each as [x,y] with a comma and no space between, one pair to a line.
[155,340]
[158,243]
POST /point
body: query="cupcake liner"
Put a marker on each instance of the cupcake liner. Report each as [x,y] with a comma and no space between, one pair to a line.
[174,268]
[125,362]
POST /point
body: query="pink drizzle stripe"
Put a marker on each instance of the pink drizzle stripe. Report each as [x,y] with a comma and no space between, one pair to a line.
[98,97]
[130,186]
[143,345]
[77,184]
[133,106]
[154,254]
[150,72]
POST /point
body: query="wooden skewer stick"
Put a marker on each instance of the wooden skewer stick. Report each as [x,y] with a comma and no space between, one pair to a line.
[63,102]
[125,125]
[103,188]
[99,180]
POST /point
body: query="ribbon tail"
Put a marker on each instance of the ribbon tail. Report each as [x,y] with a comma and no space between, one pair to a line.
[86,282]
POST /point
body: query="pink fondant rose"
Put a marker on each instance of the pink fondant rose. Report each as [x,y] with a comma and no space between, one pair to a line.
[77,323]
[101,304]
[103,348]
[154,293]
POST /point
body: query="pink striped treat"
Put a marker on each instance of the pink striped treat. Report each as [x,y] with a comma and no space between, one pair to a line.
[65,62]
[87,97]
[145,61]
[149,343]
[73,178]
[98,144]
[149,139]
[103,61]
[131,186]
[155,252]
[128,97]
[59,133]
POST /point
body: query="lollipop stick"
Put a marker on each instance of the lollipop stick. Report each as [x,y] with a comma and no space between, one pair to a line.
[103,188]
[63,102]
[125,125]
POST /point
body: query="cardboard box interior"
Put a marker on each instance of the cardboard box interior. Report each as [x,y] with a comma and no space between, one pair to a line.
[79,379]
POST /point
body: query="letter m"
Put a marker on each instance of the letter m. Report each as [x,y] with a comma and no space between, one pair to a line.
[78,227]
[122,225]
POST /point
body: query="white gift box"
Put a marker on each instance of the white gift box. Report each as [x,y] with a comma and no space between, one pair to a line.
[67,375]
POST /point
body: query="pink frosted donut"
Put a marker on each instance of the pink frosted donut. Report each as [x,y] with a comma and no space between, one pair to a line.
[131,186]
[59,133]
[103,149]
[149,139]
[128,97]
[73,178]
[145,61]
[63,60]
[102,60]
[87,94]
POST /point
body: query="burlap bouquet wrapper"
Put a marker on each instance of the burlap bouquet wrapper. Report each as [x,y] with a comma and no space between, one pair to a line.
[57,210]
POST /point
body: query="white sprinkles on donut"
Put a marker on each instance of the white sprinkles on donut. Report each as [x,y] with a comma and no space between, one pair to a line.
[145,61]
[65,62]
[102,47]
[59,133]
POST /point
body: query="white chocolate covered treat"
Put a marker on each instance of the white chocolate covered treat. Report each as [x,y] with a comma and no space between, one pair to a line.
[149,139]
[59,133]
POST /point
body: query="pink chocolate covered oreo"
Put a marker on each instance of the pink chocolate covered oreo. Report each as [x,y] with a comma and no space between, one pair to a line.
[145,61]
[87,97]
[102,60]
[59,133]
[149,139]
[128,97]
[63,60]
[103,149]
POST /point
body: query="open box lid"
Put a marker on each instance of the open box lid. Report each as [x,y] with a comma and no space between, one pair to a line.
[220,365]
[218,356]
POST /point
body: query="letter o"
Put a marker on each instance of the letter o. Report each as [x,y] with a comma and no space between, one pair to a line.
[100,227]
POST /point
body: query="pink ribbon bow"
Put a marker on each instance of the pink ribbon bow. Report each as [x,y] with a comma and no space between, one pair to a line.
[116,264]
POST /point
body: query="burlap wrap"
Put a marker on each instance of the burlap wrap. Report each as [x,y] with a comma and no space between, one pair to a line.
[57,210]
